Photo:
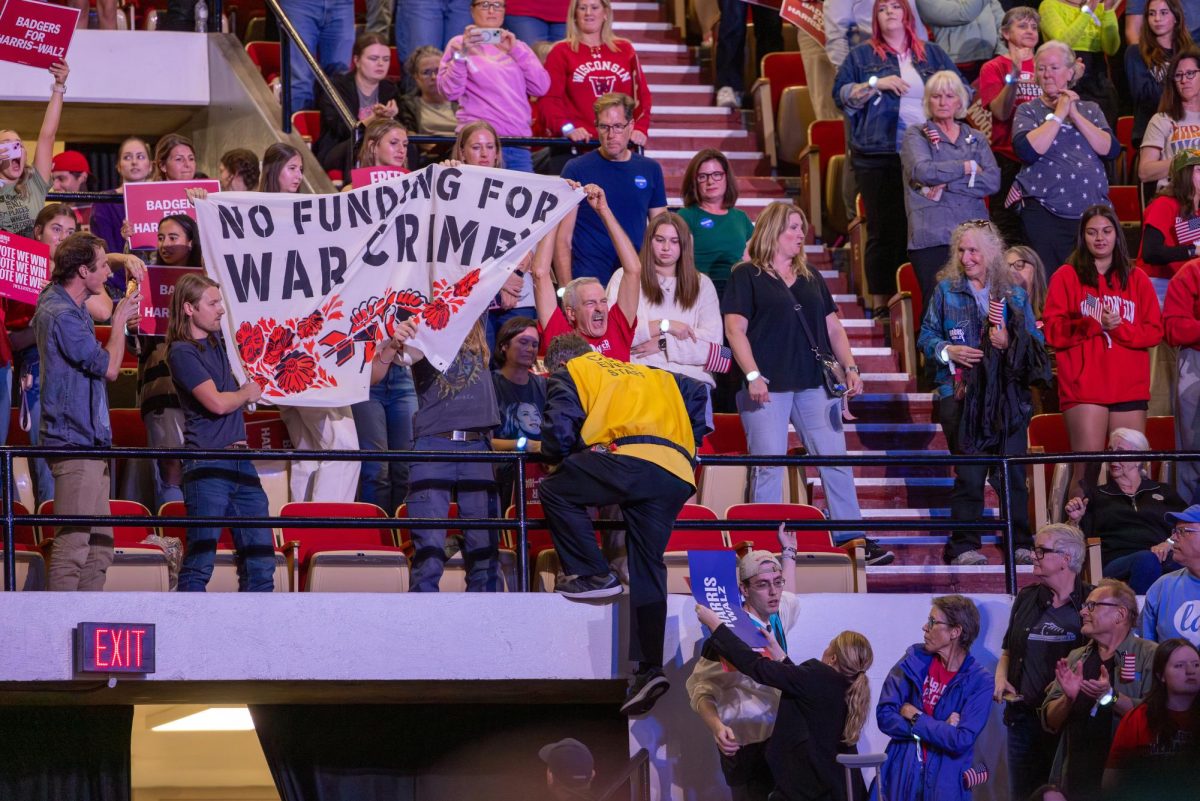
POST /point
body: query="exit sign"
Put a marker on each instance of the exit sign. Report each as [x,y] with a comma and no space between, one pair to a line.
[114,648]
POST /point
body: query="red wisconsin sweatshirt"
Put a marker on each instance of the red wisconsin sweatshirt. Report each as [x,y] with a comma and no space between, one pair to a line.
[1181,310]
[578,77]
[1094,365]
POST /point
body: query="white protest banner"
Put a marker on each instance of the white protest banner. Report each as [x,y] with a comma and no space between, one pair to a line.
[314,283]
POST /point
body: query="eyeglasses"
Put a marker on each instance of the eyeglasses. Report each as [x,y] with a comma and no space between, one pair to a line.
[1091,605]
[763,585]
[1185,75]
[429,73]
[616,127]
[714,177]
[1039,552]
[489,6]
[1019,264]
[1183,531]
[977,224]
[930,623]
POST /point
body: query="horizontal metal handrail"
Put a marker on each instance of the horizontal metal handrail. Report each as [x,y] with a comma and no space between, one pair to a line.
[523,522]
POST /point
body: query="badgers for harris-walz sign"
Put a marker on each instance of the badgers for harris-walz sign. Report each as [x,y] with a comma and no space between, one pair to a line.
[314,284]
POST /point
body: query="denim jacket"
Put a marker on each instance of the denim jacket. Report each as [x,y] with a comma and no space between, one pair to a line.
[953,318]
[74,364]
[873,127]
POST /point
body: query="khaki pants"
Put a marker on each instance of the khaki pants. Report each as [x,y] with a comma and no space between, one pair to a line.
[819,72]
[81,555]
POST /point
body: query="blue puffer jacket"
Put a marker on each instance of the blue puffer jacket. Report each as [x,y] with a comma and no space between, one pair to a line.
[873,127]
[950,749]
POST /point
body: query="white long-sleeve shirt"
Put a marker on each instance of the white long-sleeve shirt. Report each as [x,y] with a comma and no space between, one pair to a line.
[682,356]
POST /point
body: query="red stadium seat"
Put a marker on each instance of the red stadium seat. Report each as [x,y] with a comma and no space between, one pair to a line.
[137,565]
[454,572]
[265,56]
[31,565]
[1048,434]
[684,540]
[1124,134]
[344,559]
[821,566]
[907,311]
[129,360]
[783,84]
[826,139]
[1127,203]
[307,125]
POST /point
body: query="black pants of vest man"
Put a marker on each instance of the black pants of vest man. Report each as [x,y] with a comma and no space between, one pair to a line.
[650,499]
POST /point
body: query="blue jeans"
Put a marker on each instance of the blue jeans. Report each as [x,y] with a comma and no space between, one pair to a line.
[226,488]
[517,158]
[1030,750]
[1138,570]
[327,28]
[428,22]
[474,487]
[43,482]
[532,30]
[384,423]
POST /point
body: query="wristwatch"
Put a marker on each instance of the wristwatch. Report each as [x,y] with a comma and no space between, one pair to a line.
[1008,78]
[664,325]
[753,376]
[874,79]
[916,716]
[853,369]
[1055,117]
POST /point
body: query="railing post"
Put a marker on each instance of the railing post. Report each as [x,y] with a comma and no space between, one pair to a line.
[285,78]
[217,8]
[10,545]
[522,528]
[1010,546]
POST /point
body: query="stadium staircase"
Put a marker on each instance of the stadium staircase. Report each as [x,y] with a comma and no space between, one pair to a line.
[893,418]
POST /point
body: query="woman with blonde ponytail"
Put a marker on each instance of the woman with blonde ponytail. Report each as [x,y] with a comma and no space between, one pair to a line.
[822,710]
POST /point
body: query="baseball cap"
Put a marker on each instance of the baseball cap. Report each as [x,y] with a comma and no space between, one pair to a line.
[757,562]
[569,760]
[70,161]
[1188,515]
[1185,158]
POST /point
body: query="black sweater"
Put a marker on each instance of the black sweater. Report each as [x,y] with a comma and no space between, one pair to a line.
[802,751]
[1128,524]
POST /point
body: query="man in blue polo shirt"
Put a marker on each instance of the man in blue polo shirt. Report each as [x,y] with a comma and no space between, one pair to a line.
[1172,607]
[632,183]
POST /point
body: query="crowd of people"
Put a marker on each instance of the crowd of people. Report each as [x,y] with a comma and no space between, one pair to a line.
[1000,150]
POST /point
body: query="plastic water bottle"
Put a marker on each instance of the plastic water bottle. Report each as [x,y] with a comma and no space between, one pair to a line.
[201,16]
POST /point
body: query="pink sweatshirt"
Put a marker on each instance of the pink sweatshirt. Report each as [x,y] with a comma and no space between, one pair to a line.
[493,85]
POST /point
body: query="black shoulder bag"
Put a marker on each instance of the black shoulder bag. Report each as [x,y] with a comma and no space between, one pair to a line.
[831,369]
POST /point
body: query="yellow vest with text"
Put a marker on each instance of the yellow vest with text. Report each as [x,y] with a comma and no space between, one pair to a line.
[626,400]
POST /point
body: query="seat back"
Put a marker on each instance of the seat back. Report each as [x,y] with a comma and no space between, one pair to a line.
[682,541]
[265,56]
[137,566]
[1160,431]
[345,559]
[906,281]
[821,566]
[307,125]
[829,137]
[727,435]
[795,108]
[544,564]
[1124,134]
[1048,434]
[781,70]
[1127,203]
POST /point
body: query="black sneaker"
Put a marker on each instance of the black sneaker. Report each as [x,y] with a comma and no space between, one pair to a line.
[644,689]
[877,556]
[582,588]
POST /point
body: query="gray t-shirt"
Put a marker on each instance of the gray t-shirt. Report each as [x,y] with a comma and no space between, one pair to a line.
[461,399]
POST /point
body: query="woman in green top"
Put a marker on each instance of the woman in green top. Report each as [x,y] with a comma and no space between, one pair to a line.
[24,182]
[1091,33]
[719,231]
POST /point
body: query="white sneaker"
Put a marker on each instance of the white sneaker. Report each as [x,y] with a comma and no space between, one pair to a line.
[969,558]
[727,98]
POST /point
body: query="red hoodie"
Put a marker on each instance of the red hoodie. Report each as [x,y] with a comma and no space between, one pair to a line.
[578,77]
[1181,311]
[1094,365]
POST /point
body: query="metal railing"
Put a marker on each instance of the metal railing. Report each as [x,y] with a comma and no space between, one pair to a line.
[636,774]
[521,523]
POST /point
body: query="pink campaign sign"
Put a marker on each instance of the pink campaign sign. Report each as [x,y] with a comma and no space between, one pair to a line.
[365,176]
[36,34]
[147,203]
[156,297]
[24,267]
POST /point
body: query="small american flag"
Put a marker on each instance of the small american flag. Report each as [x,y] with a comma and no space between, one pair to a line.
[1187,231]
[996,313]
[931,133]
[1014,196]
[1091,307]
[973,777]
[720,358]
[1128,668]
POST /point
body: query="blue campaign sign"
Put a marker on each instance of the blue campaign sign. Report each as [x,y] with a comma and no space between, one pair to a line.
[715,585]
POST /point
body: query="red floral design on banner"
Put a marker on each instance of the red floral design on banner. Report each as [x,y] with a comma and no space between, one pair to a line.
[281,356]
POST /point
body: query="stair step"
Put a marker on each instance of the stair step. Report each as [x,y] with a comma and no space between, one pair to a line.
[685,94]
[936,578]
[639,12]
[900,493]
[889,436]
[897,407]
[661,66]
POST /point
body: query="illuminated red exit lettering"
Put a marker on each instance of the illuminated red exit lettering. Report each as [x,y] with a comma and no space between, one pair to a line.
[115,648]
